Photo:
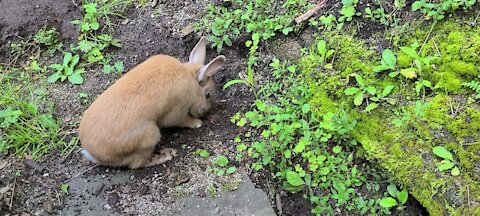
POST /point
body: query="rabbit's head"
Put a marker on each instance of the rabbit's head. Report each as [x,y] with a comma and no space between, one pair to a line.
[204,75]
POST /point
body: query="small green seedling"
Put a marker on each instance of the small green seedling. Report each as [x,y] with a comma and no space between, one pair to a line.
[324,53]
[395,195]
[447,163]
[203,153]
[361,93]
[64,188]
[222,162]
[83,96]
[116,68]
[67,70]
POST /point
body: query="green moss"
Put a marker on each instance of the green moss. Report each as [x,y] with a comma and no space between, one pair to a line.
[437,113]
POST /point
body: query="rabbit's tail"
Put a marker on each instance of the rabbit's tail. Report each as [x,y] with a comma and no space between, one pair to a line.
[88,156]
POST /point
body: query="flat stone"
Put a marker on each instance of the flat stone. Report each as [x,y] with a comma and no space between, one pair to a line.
[246,200]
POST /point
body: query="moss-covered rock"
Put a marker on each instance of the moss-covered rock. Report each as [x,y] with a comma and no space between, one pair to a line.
[400,136]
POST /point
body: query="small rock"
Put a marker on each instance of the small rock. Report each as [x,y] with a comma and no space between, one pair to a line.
[108,207]
[125,21]
[217,209]
[48,205]
[201,192]
[143,189]
[187,30]
[46,174]
[113,199]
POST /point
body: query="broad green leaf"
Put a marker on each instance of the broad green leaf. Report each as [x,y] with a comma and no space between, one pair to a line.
[418,87]
[389,58]
[294,178]
[371,107]
[371,90]
[417,5]
[392,190]
[442,152]
[222,160]
[64,188]
[388,202]
[203,153]
[75,78]
[74,60]
[53,78]
[381,67]
[455,171]
[305,108]
[337,149]
[358,100]
[402,196]
[56,66]
[220,172]
[445,166]
[393,74]
[410,51]
[387,90]
[231,170]
[409,73]
[324,171]
[427,83]
[351,91]
[360,80]
[287,153]
[321,47]
[66,58]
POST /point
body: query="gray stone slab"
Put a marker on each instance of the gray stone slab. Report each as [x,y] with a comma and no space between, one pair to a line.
[245,201]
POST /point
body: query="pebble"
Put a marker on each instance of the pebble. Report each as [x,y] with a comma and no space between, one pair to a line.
[46,174]
[108,207]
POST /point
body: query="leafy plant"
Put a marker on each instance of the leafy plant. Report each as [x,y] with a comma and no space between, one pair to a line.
[67,70]
[438,10]
[48,38]
[116,68]
[64,188]
[475,86]
[90,43]
[222,169]
[26,127]
[447,162]
[396,198]
[363,91]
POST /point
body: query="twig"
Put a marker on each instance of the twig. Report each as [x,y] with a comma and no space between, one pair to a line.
[310,12]
[13,192]
[472,143]
[32,164]
[76,5]
[79,174]
[278,200]
[468,199]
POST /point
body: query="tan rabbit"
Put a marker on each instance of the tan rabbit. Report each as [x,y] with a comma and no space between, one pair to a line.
[122,126]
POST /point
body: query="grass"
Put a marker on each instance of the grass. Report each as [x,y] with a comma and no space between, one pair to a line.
[28,126]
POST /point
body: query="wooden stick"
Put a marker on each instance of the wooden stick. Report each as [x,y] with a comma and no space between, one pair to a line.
[309,13]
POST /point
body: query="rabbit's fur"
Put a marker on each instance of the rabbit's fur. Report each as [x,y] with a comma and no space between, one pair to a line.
[122,126]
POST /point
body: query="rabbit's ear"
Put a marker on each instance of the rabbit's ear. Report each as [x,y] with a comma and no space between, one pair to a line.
[198,54]
[212,67]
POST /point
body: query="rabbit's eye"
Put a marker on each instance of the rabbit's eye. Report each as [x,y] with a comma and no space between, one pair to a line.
[208,95]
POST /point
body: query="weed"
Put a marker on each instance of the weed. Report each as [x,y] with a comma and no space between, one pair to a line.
[438,10]
[475,86]
[221,163]
[67,70]
[447,163]
[396,198]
